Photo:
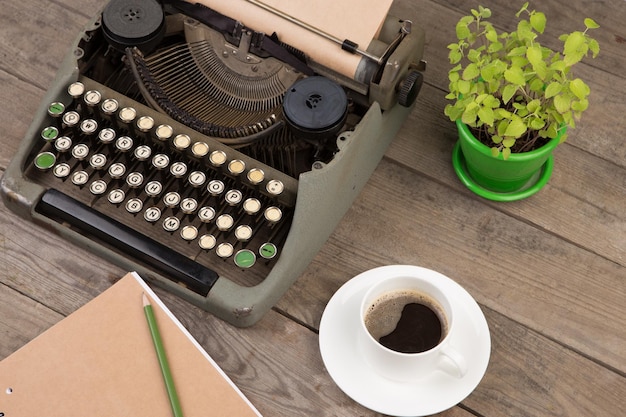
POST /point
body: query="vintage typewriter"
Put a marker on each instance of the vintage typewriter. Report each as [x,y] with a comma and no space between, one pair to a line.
[213,159]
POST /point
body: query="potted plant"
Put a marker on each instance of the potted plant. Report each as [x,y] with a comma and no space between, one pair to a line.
[513,100]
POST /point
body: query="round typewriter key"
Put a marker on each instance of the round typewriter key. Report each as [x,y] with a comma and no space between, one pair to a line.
[142,152]
[98,187]
[45,160]
[117,170]
[76,89]
[171,224]
[197,178]
[233,197]
[178,169]
[199,149]
[80,151]
[134,179]
[88,126]
[217,158]
[245,258]
[134,205]
[124,143]
[236,166]
[243,232]
[109,106]
[160,161]
[80,178]
[188,205]
[56,109]
[206,214]
[273,214]
[145,123]
[106,135]
[163,132]
[49,133]
[182,142]
[215,187]
[171,199]
[153,188]
[224,222]
[97,161]
[251,206]
[62,170]
[189,233]
[152,214]
[116,196]
[92,97]
[275,187]
[63,144]
[207,242]
[71,118]
[224,250]
[268,250]
[256,176]
[127,114]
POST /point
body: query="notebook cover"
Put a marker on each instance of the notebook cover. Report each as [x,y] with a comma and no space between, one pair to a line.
[100,361]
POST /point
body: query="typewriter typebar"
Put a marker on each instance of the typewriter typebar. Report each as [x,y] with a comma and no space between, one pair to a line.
[212,159]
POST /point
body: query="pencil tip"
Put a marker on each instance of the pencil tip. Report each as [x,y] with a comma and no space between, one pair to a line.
[146,301]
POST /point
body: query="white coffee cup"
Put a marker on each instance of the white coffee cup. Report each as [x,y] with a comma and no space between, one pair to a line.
[405,367]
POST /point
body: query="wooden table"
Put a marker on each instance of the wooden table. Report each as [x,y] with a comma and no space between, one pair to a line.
[549,272]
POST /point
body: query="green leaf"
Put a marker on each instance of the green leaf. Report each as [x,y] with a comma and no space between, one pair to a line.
[594,47]
[581,105]
[495,152]
[538,21]
[508,92]
[464,86]
[519,51]
[516,128]
[508,142]
[506,152]
[496,139]
[533,105]
[534,55]
[515,75]
[486,116]
[562,103]
[553,89]
[470,72]
[462,31]
[591,24]
[579,88]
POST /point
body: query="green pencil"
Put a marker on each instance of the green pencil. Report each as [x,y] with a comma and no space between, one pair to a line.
[165,368]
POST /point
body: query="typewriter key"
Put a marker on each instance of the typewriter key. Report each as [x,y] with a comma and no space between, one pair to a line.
[124,143]
[224,250]
[109,106]
[217,158]
[153,188]
[171,199]
[199,149]
[251,206]
[117,170]
[63,144]
[160,161]
[178,169]
[273,214]
[171,224]
[142,152]
[233,197]
[268,250]
[243,232]
[207,242]
[182,142]
[145,123]
[164,132]
[98,187]
[80,151]
[62,170]
[134,205]
[49,133]
[224,222]
[71,118]
[88,126]
[236,166]
[80,178]
[215,187]
[245,258]
[127,114]
[134,179]
[45,160]
[56,109]
[197,178]
[152,214]
[275,187]
[98,161]
[92,98]
[76,89]
[256,176]
[106,135]
[189,233]
[206,214]
[116,196]
[188,205]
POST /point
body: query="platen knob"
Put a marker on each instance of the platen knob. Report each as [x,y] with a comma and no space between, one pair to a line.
[410,88]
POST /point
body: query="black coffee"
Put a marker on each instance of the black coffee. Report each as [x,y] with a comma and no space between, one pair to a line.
[406,321]
[418,330]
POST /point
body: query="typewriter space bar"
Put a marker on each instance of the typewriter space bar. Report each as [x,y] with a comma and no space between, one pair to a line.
[162,259]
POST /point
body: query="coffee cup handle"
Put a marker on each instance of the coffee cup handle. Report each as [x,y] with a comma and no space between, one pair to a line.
[452,362]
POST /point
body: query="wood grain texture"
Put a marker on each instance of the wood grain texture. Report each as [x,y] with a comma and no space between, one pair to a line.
[549,272]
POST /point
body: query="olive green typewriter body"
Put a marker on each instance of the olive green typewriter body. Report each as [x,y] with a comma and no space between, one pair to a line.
[195,154]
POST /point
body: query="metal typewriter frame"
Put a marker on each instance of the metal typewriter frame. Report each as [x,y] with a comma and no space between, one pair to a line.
[326,192]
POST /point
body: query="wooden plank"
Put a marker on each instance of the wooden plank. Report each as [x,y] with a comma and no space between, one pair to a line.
[532,276]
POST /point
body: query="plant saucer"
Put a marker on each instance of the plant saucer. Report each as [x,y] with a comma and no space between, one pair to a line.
[536,183]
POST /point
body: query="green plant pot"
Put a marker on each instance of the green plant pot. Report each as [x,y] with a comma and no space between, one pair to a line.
[518,177]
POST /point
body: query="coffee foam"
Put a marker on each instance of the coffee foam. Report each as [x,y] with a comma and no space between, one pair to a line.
[383,314]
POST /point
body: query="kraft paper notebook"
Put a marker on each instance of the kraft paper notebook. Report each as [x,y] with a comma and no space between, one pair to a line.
[101,361]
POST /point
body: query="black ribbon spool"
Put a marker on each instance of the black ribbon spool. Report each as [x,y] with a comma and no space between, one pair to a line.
[315,108]
[129,23]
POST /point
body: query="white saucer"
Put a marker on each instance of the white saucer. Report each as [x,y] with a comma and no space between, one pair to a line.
[429,395]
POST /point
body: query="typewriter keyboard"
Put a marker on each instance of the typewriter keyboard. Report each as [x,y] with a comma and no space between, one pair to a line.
[130,176]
